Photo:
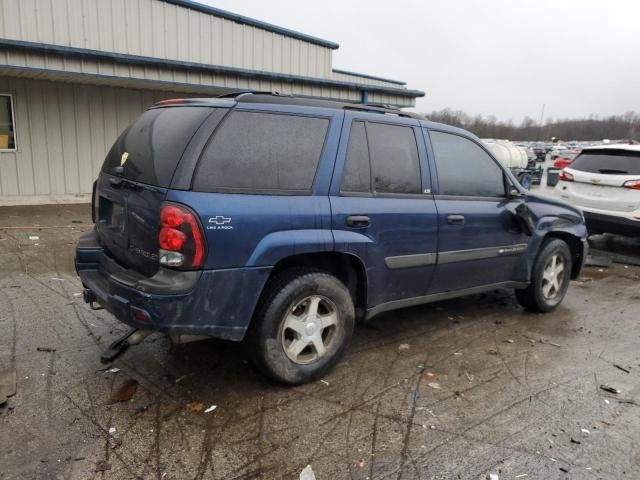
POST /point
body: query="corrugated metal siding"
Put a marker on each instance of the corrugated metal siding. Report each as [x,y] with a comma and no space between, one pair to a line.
[196,82]
[157,29]
[63,133]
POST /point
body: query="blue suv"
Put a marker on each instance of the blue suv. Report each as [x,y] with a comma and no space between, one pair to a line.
[283,220]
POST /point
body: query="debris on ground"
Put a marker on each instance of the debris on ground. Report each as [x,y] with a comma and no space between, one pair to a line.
[113,370]
[564,470]
[609,388]
[577,442]
[598,261]
[403,346]
[493,476]
[307,473]
[492,351]
[34,237]
[325,382]
[46,349]
[457,354]
[57,279]
[126,391]
[178,380]
[622,368]
[434,385]
[585,431]
[522,475]
[360,463]
[102,466]
[7,384]
[509,340]
[211,409]
[195,407]
[429,376]
[112,430]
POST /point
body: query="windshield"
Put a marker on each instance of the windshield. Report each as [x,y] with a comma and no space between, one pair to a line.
[608,162]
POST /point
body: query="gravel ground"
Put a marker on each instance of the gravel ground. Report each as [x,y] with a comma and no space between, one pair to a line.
[453,390]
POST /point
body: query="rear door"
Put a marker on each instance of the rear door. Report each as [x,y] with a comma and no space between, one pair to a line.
[382,207]
[479,240]
[134,180]
[604,179]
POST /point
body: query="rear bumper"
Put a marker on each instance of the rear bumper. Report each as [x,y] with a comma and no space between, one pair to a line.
[611,223]
[214,303]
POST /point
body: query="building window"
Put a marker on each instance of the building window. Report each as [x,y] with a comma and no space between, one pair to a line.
[7,123]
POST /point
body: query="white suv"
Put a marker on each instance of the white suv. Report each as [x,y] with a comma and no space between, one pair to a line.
[604,181]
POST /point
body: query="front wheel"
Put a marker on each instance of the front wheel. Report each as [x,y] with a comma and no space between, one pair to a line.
[302,326]
[549,279]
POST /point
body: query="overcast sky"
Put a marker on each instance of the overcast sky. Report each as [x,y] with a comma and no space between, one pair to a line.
[490,57]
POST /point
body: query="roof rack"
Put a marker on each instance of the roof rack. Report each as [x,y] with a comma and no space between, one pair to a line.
[376,108]
[276,97]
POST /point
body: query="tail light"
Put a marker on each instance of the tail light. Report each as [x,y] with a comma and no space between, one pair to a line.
[181,238]
[632,184]
[565,176]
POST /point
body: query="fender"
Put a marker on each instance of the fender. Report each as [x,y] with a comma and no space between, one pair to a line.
[279,245]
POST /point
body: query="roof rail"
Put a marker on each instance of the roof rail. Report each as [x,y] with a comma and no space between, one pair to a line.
[242,93]
[380,109]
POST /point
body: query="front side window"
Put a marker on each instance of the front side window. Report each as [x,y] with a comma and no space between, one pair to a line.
[386,153]
[7,126]
[465,169]
[262,152]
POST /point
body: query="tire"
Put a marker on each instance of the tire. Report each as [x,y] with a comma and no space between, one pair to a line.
[302,326]
[539,296]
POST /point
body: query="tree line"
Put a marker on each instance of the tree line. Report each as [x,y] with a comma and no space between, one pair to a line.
[615,127]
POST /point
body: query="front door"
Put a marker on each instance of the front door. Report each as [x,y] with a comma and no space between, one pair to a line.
[380,211]
[480,242]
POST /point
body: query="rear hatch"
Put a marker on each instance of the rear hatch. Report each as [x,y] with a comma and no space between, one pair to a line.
[134,180]
[605,179]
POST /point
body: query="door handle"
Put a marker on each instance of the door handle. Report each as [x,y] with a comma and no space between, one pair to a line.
[358,221]
[455,219]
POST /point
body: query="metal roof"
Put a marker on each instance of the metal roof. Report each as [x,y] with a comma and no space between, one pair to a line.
[253,22]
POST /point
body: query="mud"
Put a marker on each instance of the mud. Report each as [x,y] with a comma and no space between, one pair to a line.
[483,386]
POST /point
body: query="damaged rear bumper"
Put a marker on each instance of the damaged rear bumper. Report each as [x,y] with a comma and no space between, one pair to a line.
[213,303]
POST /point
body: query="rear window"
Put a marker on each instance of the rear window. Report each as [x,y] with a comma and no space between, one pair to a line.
[149,150]
[608,162]
[262,153]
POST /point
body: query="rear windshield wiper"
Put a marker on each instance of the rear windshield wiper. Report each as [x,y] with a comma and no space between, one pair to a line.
[612,171]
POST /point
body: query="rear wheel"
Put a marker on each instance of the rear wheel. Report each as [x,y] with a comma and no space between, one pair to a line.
[302,326]
[549,279]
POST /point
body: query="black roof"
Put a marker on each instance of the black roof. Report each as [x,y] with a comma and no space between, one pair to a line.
[275,98]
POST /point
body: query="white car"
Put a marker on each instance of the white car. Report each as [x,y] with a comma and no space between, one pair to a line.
[604,181]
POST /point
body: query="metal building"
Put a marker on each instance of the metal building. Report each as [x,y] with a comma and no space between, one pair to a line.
[74,73]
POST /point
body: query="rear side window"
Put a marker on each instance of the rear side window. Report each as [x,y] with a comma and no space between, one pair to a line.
[608,162]
[387,153]
[465,169]
[150,149]
[357,171]
[262,152]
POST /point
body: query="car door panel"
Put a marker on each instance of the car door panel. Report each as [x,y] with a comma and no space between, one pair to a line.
[398,246]
[480,240]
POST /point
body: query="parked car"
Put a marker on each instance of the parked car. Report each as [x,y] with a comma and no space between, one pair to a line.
[604,181]
[282,220]
[565,158]
[557,150]
[540,151]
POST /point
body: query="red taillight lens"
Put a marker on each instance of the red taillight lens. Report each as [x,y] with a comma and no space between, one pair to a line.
[632,184]
[171,216]
[172,239]
[181,238]
[565,176]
